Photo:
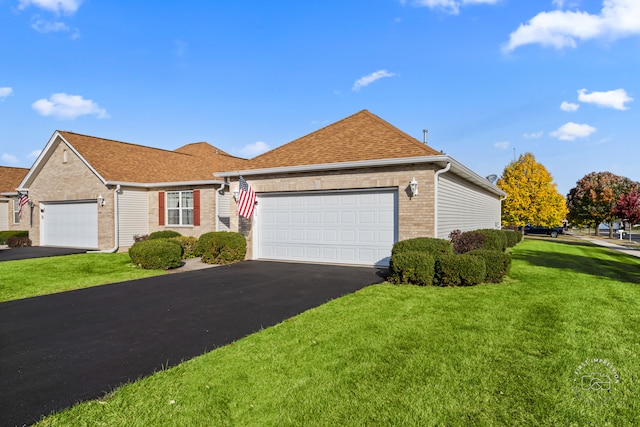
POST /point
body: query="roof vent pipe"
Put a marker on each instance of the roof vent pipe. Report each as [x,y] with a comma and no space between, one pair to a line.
[424,135]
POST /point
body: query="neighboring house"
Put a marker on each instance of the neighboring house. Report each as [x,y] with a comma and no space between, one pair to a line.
[97,193]
[342,195]
[9,218]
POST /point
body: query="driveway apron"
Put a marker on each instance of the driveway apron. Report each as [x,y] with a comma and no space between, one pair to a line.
[60,349]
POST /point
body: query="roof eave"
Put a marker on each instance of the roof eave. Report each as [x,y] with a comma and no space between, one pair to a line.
[165,184]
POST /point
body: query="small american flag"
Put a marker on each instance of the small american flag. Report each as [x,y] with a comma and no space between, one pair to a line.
[246,199]
[23,199]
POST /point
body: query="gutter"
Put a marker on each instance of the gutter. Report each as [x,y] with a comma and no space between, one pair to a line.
[116,226]
[435,197]
[164,184]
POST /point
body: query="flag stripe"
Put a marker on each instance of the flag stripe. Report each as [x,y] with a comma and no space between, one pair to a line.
[246,199]
[23,199]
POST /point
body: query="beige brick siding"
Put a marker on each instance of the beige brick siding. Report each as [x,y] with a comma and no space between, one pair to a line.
[415,214]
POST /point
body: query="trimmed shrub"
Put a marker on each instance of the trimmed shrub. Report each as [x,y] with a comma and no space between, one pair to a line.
[459,270]
[497,264]
[463,242]
[189,246]
[156,254]
[18,242]
[417,268]
[435,247]
[222,247]
[513,237]
[204,241]
[494,239]
[472,269]
[164,234]
[4,235]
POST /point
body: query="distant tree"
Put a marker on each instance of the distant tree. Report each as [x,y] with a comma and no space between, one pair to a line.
[532,197]
[593,199]
[628,207]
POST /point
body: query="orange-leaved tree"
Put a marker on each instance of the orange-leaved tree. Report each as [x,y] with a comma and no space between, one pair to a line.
[532,197]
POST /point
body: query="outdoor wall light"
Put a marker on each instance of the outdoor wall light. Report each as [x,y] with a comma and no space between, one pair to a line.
[236,194]
[413,185]
[100,200]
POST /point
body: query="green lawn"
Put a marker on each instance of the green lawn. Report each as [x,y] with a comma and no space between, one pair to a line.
[40,276]
[500,354]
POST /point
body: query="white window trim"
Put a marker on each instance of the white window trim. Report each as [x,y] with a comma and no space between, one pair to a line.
[16,209]
[180,209]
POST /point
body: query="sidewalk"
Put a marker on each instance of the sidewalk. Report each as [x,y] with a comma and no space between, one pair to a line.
[624,249]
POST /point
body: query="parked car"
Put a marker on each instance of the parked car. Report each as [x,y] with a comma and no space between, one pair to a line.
[547,231]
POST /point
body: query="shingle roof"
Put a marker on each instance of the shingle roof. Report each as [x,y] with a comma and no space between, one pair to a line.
[10,178]
[124,162]
[362,136]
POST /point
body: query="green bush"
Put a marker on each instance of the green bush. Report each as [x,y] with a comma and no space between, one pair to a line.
[4,235]
[412,267]
[156,254]
[459,270]
[222,247]
[513,237]
[164,234]
[494,239]
[497,264]
[189,246]
[435,247]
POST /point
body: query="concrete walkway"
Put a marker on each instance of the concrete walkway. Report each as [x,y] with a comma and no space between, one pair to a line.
[623,249]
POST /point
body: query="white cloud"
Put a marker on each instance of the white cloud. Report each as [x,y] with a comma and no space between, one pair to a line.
[5,92]
[34,154]
[65,106]
[569,106]
[68,7]
[564,28]
[533,135]
[254,149]
[571,131]
[42,26]
[612,99]
[367,80]
[502,145]
[450,6]
[8,158]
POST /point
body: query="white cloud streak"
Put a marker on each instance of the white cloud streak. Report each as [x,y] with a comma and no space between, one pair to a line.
[42,26]
[34,154]
[8,158]
[569,107]
[533,135]
[67,7]
[64,106]
[502,145]
[449,6]
[611,99]
[367,80]
[254,149]
[571,131]
[564,28]
[5,92]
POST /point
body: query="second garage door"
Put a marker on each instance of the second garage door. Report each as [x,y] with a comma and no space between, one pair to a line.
[70,224]
[347,227]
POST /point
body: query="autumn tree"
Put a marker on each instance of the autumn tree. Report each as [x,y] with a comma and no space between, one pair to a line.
[593,199]
[628,207]
[532,197]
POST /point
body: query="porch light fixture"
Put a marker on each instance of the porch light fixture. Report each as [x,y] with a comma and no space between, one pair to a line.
[100,200]
[413,185]
[236,194]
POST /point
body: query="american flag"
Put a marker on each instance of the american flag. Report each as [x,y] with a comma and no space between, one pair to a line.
[246,199]
[22,200]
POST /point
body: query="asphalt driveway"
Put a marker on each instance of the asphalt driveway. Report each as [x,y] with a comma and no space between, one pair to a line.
[36,252]
[59,349]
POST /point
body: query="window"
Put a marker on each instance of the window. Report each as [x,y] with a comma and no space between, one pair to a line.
[179,207]
[16,211]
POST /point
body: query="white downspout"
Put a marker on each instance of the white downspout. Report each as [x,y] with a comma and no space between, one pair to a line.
[116,227]
[435,198]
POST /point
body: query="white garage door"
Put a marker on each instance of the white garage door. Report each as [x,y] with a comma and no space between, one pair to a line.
[71,224]
[355,227]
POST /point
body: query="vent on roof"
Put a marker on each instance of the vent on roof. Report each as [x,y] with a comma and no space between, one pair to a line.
[424,135]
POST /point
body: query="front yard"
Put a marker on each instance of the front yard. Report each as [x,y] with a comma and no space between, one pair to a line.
[535,350]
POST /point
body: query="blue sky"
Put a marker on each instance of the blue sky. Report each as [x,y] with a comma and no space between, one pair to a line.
[489,79]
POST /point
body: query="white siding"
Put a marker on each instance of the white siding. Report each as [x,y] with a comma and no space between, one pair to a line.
[223,218]
[4,215]
[133,215]
[464,206]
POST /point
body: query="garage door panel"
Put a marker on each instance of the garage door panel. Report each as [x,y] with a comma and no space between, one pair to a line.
[72,224]
[348,227]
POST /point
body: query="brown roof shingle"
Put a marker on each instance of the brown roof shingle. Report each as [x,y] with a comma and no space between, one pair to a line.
[124,162]
[10,178]
[362,136]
